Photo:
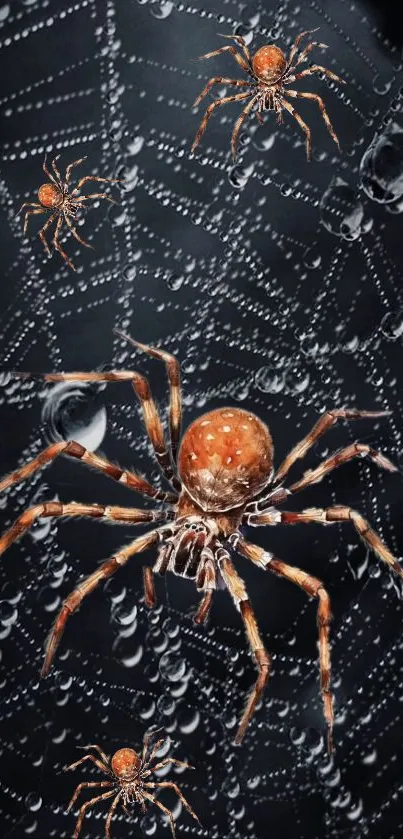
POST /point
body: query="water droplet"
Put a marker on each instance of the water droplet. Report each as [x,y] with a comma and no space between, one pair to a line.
[174,281]
[74,411]
[162,10]
[381,168]
[341,210]
[172,667]
[392,325]
[269,380]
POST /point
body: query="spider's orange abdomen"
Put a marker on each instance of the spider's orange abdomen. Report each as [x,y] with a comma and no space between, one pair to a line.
[49,195]
[269,63]
[125,763]
[225,458]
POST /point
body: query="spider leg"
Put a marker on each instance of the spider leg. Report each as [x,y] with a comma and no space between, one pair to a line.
[100,751]
[58,246]
[208,582]
[329,515]
[238,57]
[86,806]
[86,785]
[316,68]
[173,370]
[242,43]
[164,810]
[54,509]
[57,173]
[146,742]
[314,588]
[110,814]
[167,761]
[100,764]
[325,422]
[95,195]
[150,598]
[73,449]
[216,104]
[73,601]
[151,416]
[204,608]
[43,230]
[69,170]
[171,785]
[49,175]
[304,54]
[288,107]
[239,122]
[32,212]
[313,476]
[75,234]
[94,178]
[295,46]
[315,98]
[237,589]
[218,80]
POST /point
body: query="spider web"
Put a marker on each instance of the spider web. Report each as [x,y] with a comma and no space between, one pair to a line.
[276,282]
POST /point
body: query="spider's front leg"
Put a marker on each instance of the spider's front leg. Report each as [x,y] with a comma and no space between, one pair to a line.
[218,80]
[86,807]
[57,245]
[315,98]
[171,785]
[86,785]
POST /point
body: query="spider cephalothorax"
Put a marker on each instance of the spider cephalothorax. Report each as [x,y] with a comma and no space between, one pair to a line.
[129,776]
[222,479]
[270,72]
[55,197]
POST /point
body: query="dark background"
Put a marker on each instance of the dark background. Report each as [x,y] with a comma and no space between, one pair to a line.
[277,283]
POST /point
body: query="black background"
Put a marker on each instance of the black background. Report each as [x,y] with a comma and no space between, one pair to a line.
[233,269]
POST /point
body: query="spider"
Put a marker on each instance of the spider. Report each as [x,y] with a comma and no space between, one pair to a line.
[55,198]
[129,776]
[270,71]
[221,478]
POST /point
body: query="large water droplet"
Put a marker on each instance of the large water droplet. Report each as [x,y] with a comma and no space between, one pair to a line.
[74,411]
[341,210]
[381,168]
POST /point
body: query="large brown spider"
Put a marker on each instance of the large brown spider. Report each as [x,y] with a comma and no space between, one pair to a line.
[130,781]
[55,198]
[270,72]
[223,478]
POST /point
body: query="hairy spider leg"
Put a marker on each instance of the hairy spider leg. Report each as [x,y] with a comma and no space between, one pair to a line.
[218,80]
[111,813]
[164,810]
[291,110]
[86,807]
[72,449]
[211,108]
[86,785]
[69,170]
[58,246]
[151,415]
[236,587]
[238,58]
[173,370]
[99,763]
[54,509]
[74,232]
[171,785]
[295,94]
[316,68]
[314,588]
[88,178]
[324,422]
[73,601]
[239,122]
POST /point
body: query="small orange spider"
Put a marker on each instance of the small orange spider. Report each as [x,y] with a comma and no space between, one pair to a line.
[129,778]
[270,71]
[55,197]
